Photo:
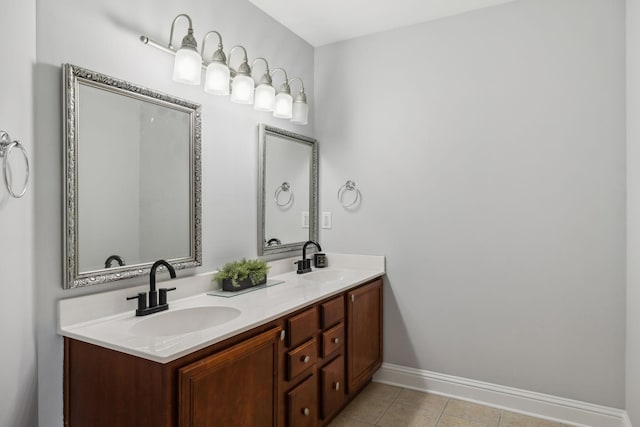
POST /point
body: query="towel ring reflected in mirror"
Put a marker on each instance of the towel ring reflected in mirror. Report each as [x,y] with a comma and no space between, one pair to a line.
[348,187]
[6,146]
[285,187]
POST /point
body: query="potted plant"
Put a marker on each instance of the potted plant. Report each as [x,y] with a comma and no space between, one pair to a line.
[238,275]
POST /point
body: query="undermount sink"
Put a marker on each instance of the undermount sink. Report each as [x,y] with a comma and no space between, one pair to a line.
[184,321]
[324,276]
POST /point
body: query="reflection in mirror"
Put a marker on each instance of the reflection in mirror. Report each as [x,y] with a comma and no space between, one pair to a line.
[132,165]
[287,191]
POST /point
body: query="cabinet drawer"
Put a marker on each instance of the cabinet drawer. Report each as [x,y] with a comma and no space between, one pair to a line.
[302,327]
[332,312]
[303,404]
[333,339]
[302,357]
[332,379]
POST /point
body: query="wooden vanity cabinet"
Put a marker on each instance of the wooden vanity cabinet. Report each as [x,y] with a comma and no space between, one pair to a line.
[299,370]
[364,333]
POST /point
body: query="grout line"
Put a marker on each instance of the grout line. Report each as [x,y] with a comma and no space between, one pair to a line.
[500,418]
[442,412]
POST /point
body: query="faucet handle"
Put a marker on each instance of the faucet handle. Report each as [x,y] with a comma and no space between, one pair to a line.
[142,300]
[163,295]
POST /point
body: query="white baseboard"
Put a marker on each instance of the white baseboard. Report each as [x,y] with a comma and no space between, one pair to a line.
[567,411]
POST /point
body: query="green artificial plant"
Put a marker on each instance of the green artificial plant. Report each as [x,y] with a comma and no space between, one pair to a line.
[236,271]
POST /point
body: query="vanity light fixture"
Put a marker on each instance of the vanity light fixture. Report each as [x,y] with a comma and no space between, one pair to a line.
[242,85]
[217,74]
[283,104]
[188,62]
[221,79]
[265,93]
[300,111]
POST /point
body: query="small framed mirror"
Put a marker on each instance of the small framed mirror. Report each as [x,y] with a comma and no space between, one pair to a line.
[132,179]
[287,191]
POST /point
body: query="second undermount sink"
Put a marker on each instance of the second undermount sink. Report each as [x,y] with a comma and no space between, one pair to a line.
[324,276]
[184,321]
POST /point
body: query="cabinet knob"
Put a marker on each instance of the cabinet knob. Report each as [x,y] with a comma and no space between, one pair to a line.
[282,335]
[353,297]
[336,386]
[306,359]
[305,412]
[336,340]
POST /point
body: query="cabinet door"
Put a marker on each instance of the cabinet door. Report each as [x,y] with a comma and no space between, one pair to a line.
[364,333]
[235,387]
[332,379]
[303,404]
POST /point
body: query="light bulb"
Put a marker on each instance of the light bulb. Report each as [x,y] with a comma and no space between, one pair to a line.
[186,67]
[282,108]
[242,89]
[265,97]
[217,79]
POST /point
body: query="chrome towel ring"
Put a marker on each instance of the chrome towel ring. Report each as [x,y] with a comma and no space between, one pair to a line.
[6,146]
[349,186]
[285,187]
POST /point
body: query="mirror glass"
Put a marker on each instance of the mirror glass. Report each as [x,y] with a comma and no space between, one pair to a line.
[132,167]
[287,191]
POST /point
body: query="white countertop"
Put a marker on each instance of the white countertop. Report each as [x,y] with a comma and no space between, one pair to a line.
[99,319]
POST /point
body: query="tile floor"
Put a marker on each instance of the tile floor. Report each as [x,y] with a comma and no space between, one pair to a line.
[388,406]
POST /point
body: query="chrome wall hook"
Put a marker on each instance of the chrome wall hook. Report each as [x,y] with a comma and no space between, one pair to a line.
[6,146]
[349,186]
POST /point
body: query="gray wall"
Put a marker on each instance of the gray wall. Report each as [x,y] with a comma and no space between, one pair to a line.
[490,151]
[633,212]
[103,36]
[18,406]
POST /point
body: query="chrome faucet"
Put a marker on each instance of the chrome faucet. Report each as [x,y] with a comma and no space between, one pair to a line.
[154,305]
[304,265]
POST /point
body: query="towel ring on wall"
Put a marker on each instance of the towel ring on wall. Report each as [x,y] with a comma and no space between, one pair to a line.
[6,145]
[285,187]
[348,186]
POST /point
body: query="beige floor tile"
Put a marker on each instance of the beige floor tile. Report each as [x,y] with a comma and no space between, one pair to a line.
[368,410]
[511,419]
[383,392]
[432,403]
[472,412]
[401,415]
[341,421]
[449,421]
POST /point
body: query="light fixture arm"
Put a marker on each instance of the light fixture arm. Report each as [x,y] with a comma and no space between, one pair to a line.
[188,41]
[285,86]
[218,55]
[244,68]
[266,77]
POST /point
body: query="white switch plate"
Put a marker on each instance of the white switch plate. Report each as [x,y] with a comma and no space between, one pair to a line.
[327,222]
[305,219]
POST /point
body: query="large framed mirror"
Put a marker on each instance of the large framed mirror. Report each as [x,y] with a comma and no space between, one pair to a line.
[287,191]
[131,179]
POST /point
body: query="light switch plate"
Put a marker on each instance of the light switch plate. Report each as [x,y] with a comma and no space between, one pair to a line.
[327,222]
[305,219]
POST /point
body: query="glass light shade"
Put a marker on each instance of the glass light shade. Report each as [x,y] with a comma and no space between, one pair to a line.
[186,68]
[217,79]
[300,113]
[283,107]
[265,98]
[242,89]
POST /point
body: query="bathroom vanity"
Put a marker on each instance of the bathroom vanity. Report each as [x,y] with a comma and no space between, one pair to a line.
[295,356]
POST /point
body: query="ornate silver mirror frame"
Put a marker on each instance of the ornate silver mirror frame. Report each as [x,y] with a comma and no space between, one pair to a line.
[190,115]
[285,192]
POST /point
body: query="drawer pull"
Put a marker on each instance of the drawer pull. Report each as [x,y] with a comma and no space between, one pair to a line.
[282,335]
[336,386]
[305,412]
[335,340]
[305,359]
